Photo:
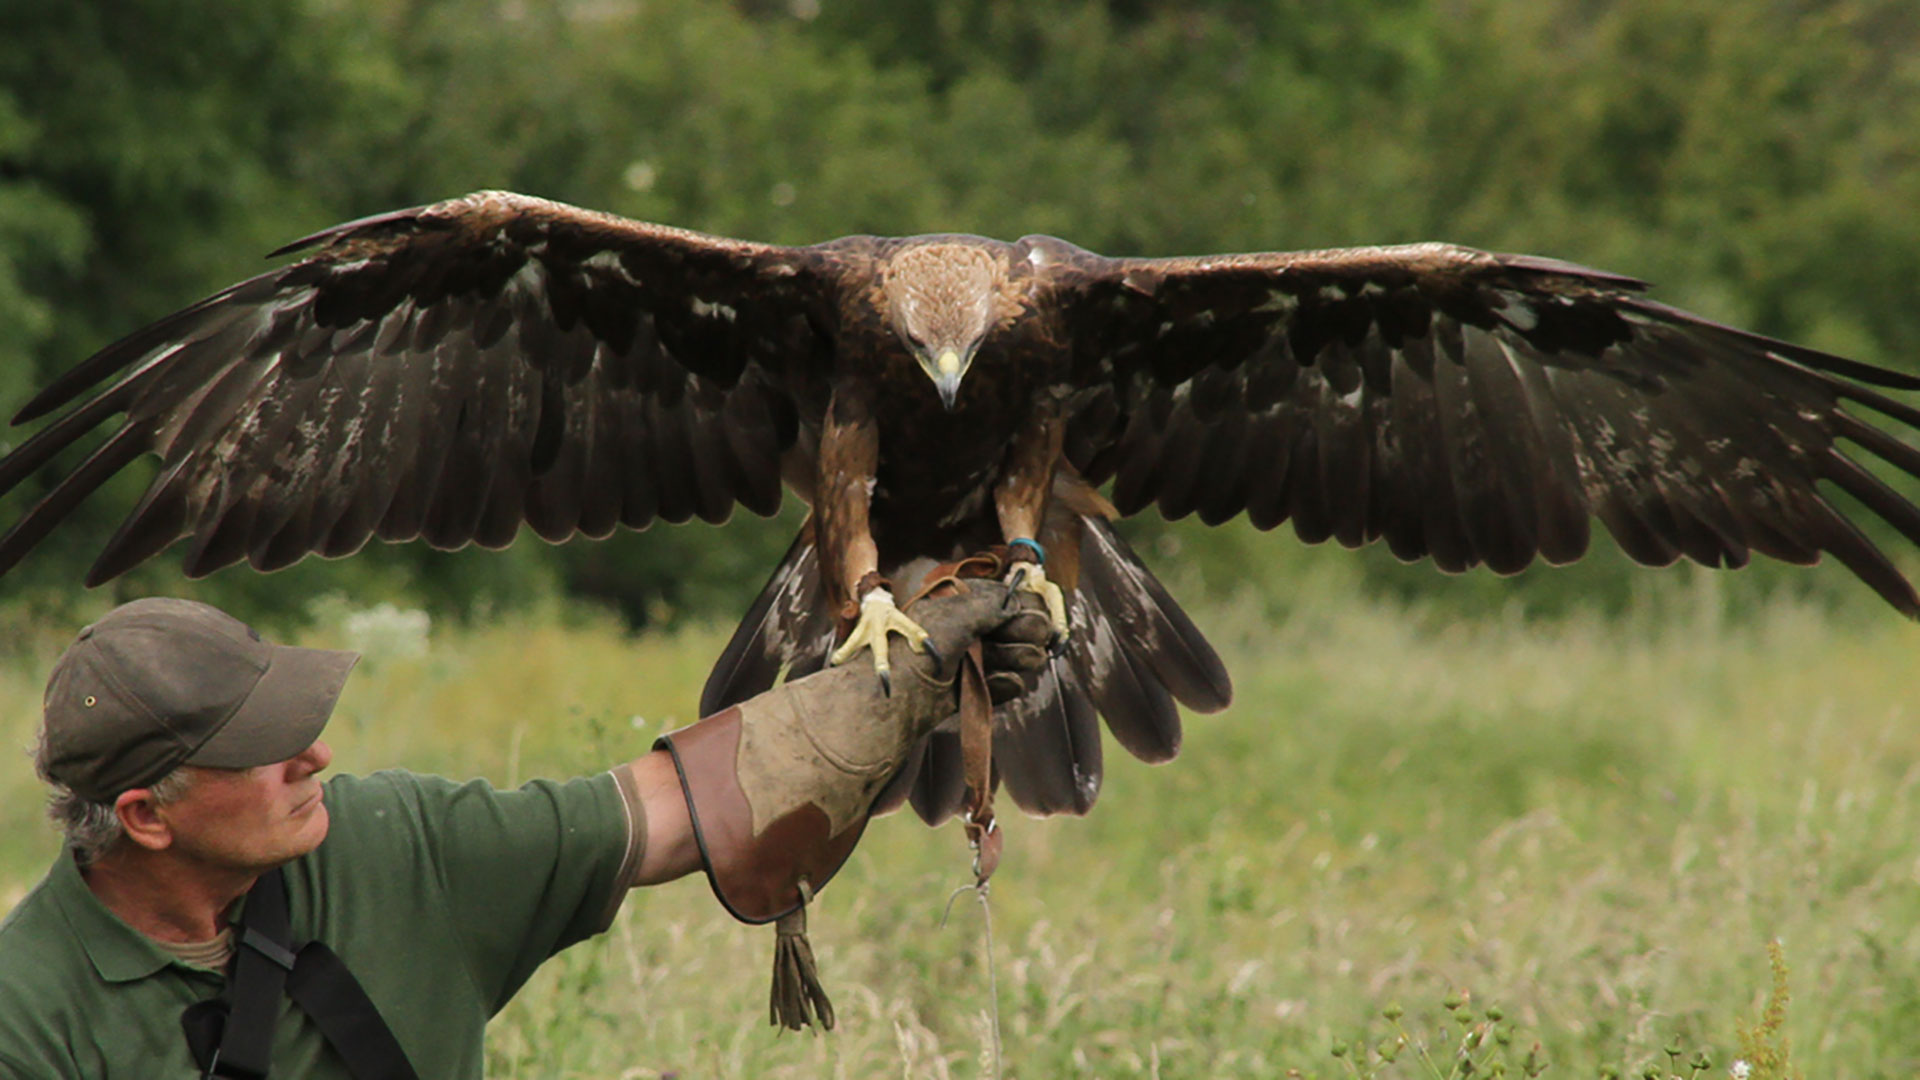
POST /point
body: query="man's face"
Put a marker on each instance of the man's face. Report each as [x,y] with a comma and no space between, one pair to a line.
[252,819]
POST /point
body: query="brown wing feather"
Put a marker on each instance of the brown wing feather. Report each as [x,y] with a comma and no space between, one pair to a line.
[452,372]
[1473,407]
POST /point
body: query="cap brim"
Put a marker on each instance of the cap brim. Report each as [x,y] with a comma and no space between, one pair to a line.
[285,712]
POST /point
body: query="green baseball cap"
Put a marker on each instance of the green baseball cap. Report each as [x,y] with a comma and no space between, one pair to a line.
[164,682]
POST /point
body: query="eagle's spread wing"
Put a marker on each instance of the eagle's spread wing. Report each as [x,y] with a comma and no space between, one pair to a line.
[448,372]
[1471,407]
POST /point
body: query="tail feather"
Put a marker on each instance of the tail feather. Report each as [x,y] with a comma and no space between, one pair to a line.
[940,788]
[893,794]
[790,625]
[1047,745]
[1149,624]
[1137,707]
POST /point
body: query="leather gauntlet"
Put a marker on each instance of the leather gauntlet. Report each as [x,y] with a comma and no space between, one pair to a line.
[780,786]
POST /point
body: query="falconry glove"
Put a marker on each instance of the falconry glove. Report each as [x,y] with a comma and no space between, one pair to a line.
[780,787]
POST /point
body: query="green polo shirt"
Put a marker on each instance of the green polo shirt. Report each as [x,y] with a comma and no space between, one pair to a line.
[442,898]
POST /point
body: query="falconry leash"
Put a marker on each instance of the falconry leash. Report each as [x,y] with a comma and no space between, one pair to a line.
[983,832]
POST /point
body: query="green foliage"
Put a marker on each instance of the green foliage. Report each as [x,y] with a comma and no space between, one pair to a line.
[39,235]
[1755,159]
[1455,1042]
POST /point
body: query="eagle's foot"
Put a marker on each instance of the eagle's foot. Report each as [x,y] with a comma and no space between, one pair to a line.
[1032,577]
[878,618]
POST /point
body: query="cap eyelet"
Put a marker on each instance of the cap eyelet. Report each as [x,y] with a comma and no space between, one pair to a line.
[92,701]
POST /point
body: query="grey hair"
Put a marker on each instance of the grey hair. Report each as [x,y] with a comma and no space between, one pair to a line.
[93,828]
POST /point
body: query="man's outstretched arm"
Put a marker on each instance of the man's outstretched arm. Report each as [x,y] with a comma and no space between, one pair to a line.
[668,849]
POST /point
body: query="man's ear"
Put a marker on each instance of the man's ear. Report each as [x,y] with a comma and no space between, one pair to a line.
[140,816]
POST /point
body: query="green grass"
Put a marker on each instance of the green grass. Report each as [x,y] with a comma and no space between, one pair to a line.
[1594,828]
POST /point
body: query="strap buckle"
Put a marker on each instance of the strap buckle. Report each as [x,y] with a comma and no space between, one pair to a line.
[272,950]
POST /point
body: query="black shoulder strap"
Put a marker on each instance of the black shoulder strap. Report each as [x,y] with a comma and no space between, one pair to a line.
[326,991]
[265,966]
[255,980]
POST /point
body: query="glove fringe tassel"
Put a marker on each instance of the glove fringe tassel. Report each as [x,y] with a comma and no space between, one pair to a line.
[798,999]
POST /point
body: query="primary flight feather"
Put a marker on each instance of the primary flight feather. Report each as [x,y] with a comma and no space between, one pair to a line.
[455,371]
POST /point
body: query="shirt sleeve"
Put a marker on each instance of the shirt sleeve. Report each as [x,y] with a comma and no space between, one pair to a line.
[524,873]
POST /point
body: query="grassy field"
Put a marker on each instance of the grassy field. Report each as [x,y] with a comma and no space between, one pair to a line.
[1409,834]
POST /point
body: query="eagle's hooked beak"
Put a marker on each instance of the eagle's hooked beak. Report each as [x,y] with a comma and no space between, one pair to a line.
[947,370]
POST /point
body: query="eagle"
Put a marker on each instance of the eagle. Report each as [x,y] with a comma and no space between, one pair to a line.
[454,372]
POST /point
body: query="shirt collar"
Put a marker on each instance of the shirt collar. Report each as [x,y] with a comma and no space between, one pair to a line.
[118,951]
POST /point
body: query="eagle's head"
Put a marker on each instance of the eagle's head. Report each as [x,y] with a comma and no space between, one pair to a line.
[942,300]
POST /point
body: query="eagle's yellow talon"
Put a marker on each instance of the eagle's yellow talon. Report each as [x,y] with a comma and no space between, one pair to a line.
[878,618]
[1032,577]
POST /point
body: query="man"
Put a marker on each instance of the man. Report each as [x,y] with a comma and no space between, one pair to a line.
[185,752]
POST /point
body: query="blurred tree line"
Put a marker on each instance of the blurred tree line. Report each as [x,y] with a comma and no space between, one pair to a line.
[1760,161]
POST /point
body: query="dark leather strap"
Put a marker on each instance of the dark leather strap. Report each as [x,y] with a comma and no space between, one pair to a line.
[976,710]
[326,991]
[255,981]
[232,1036]
[976,756]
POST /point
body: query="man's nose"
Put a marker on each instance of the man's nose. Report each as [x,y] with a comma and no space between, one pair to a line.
[314,758]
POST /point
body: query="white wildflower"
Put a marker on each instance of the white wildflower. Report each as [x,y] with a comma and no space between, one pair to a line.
[387,632]
[640,176]
[1739,1070]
